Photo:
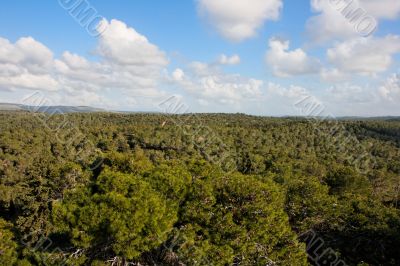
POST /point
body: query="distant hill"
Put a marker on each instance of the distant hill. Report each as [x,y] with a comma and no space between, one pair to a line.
[346,118]
[49,109]
[87,109]
[374,118]
[10,107]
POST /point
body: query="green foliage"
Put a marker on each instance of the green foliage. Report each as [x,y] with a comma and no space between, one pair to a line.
[196,189]
[309,204]
[135,162]
[237,219]
[120,213]
[346,179]
[364,219]
[172,182]
[8,247]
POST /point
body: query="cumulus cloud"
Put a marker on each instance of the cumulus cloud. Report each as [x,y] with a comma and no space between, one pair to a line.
[208,82]
[75,61]
[390,90]
[226,60]
[29,81]
[86,98]
[286,63]
[350,93]
[341,19]
[292,92]
[124,45]
[238,20]
[367,56]
[382,9]
[25,51]
[289,99]
[333,75]
[26,64]
[328,24]
[178,74]
[127,62]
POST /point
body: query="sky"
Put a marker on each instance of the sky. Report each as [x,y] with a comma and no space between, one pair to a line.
[260,57]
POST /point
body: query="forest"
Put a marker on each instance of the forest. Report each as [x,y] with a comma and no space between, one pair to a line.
[198,189]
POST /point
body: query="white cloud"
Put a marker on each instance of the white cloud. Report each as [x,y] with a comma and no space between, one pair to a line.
[26,64]
[385,9]
[238,20]
[128,64]
[390,90]
[125,46]
[342,19]
[284,100]
[25,51]
[33,54]
[229,88]
[286,63]
[226,60]
[367,56]
[350,93]
[178,74]
[75,61]
[333,75]
[208,82]
[328,24]
[293,92]
[85,98]
[29,81]
[201,69]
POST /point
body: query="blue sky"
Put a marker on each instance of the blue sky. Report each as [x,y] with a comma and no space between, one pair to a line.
[258,56]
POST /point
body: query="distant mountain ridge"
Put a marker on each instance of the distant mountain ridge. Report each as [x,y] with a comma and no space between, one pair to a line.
[49,109]
[60,109]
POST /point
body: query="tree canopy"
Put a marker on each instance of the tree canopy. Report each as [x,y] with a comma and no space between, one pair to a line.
[212,189]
